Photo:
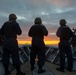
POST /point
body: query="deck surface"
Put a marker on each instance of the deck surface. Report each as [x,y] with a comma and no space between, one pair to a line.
[50,70]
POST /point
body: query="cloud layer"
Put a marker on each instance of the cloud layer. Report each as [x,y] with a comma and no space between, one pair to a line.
[50,11]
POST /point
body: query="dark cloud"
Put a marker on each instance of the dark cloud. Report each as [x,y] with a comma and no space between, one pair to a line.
[48,10]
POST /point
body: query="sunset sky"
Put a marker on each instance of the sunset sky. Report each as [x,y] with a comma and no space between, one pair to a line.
[50,11]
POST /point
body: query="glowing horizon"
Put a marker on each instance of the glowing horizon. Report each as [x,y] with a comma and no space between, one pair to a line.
[49,42]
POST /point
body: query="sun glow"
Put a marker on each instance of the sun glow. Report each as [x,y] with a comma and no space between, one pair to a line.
[53,42]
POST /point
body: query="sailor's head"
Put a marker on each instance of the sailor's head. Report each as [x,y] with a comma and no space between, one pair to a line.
[12,17]
[38,20]
[62,22]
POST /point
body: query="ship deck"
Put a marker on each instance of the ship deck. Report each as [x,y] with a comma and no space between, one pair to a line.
[52,61]
[49,67]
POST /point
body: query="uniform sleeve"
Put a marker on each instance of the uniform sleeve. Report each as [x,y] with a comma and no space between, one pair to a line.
[71,33]
[58,32]
[2,30]
[30,32]
[45,31]
[18,29]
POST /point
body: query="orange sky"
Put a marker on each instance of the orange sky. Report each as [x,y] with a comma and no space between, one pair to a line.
[49,40]
[53,42]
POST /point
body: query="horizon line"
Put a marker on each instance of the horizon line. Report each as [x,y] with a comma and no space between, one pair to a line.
[53,42]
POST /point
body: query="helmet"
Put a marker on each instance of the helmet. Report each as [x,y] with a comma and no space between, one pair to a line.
[38,20]
[12,16]
[62,21]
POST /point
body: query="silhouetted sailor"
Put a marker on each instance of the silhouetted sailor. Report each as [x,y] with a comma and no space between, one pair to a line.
[65,33]
[10,30]
[37,32]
